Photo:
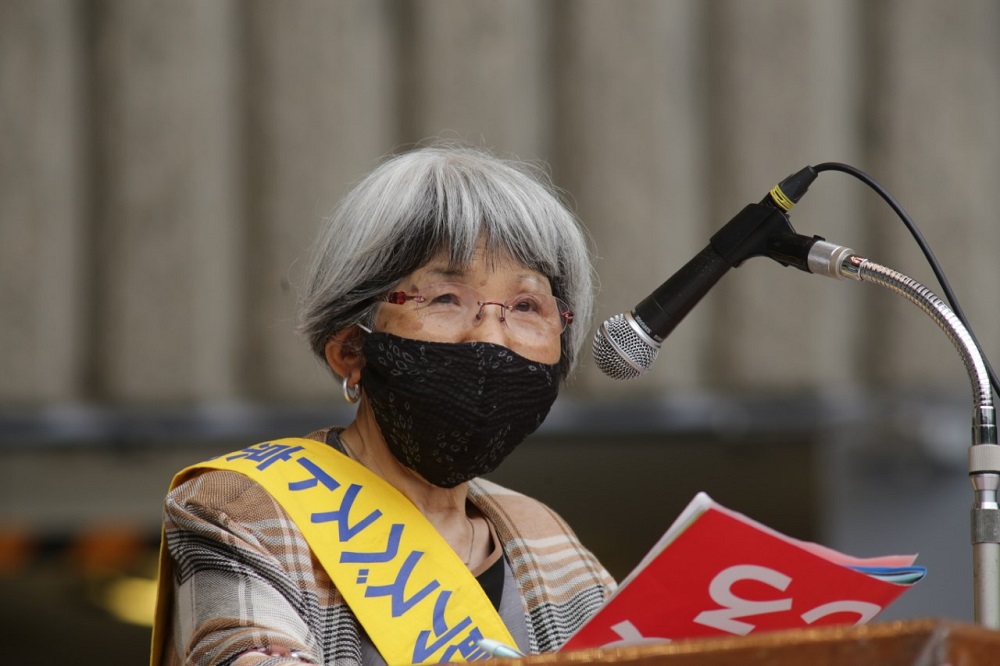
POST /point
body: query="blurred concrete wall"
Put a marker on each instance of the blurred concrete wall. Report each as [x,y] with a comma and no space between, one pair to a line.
[164,166]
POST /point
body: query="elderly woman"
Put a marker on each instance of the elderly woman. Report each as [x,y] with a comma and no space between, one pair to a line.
[450,294]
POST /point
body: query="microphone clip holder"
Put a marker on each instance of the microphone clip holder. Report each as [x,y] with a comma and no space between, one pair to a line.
[759,230]
[763,230]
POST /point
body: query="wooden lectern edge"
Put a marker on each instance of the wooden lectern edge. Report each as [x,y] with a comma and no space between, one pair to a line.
[923,642]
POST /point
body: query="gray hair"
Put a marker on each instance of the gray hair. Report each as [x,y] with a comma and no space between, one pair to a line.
[438,198]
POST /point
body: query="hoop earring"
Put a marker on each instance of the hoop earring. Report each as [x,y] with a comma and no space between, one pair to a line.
[351,393]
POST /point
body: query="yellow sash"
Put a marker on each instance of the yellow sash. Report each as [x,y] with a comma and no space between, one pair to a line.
[413,595]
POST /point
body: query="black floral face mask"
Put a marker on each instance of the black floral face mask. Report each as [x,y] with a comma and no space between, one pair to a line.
[454,411]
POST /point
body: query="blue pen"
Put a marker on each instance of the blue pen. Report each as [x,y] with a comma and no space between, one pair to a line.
[498,649]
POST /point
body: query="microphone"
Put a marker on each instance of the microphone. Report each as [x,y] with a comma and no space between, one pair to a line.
[626,345]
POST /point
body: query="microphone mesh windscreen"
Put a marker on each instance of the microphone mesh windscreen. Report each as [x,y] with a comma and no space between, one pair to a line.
[619,350]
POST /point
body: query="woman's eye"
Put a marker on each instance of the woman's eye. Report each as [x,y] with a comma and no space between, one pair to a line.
[525,304]
[445,299]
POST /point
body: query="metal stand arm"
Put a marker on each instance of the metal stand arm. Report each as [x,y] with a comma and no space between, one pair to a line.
[984,454]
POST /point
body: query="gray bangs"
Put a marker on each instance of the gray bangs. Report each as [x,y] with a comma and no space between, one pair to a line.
[511,220]
[440,198]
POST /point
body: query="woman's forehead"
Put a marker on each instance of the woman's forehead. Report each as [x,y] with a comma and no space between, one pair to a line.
[479,267]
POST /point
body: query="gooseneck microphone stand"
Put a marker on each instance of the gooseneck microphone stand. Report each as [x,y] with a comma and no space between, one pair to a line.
[984,454]
[626,345]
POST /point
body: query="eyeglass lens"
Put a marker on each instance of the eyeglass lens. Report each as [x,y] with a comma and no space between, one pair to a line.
[446,305]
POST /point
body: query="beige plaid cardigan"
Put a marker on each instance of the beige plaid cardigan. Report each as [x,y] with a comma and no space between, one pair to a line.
[244,576]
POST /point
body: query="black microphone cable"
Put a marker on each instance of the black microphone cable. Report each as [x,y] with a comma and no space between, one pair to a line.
[897,208]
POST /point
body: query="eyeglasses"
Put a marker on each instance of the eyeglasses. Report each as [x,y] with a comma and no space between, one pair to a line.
[446,306]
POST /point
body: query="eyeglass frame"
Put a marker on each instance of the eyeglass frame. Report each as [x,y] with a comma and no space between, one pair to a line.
[400,297]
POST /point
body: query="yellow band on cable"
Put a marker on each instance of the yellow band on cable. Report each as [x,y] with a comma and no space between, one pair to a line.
[779,198]
[414,597]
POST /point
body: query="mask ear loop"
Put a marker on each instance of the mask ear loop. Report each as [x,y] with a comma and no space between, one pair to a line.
[353,393]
